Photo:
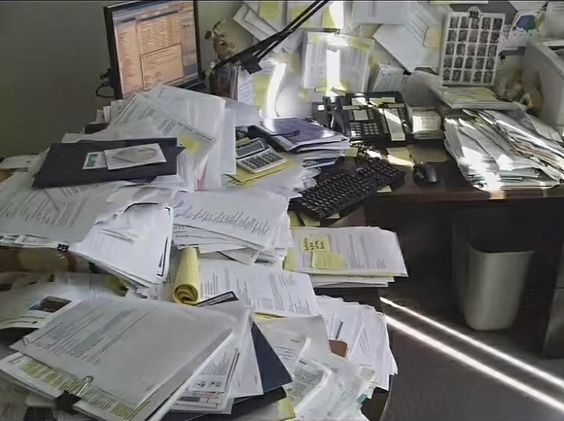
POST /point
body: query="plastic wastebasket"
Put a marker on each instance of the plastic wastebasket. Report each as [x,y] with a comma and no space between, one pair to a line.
[491,256]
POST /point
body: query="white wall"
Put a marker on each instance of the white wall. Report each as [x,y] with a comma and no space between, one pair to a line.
[52,53]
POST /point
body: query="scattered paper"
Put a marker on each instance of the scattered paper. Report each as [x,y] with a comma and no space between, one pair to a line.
[358,251]
[116,330]
[266,290]
[24,210]
[387,12]
[17,162]
[406,42]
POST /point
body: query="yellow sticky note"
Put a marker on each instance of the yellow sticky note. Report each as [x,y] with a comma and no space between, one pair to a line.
[433,37]
[189,143]
[309,221]
[400,156]
[352,152]
[270,10]
[261,83]
[359,44]
[328,20]
[291,261]
[295,220]
[328,261]
[316,243]
[295,11]
[244,176]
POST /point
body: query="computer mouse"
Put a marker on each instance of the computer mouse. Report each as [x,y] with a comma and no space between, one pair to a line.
[425,172]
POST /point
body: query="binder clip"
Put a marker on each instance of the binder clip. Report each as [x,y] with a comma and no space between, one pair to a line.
[63,248]
[66,400]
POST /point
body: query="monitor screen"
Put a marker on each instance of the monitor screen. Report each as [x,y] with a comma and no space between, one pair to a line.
[152,42]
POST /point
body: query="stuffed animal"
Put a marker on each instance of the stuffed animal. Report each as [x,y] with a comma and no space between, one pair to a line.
[222,45]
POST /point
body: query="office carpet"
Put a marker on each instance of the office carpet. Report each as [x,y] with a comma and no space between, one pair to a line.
[435,385]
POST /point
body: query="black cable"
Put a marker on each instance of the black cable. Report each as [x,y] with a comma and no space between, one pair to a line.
[256,52]
[98,94]
[293,26]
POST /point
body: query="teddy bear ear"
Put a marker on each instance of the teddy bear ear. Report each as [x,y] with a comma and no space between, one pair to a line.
[208,35]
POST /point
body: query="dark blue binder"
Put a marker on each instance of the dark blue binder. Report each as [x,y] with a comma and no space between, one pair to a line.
[63,165]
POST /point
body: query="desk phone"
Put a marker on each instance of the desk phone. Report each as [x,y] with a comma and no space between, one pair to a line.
[379,118]
[256,156]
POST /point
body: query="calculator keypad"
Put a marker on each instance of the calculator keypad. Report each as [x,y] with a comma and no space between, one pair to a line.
[262,161]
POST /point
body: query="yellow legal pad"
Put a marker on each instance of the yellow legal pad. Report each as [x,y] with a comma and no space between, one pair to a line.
[186,289]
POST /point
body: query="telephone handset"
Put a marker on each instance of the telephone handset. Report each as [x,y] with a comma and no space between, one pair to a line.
[379,118]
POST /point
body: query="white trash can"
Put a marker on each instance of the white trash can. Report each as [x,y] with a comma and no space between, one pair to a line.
[490,264]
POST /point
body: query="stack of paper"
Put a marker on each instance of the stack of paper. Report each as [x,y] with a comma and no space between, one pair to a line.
[135,246]
[356,256]
[265,289]
[285,180]
[316,144]
[243,224]
[326,385]
[125,372]
[471,98]
[497,152]
[364,331]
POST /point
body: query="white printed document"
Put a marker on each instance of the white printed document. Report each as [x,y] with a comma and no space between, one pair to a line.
[24,210]
[119,342]
[265,289]
[17,162]
[31,307]
[250,216]
[353,251]
[406,42]
[387,12]
[141,256]
[210,391]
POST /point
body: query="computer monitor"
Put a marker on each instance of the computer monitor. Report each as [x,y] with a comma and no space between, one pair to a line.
[150,43]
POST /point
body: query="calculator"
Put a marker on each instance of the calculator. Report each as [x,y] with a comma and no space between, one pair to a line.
[256,156]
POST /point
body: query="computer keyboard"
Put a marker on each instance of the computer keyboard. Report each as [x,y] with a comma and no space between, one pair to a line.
[343,189]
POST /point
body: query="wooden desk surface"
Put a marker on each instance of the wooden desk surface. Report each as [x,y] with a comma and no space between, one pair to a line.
[452,186]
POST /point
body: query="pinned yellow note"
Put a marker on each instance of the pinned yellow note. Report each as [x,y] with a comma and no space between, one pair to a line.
[329,20]
[316,243]
[433,37]
[328,261]
[270,10]
[261,82]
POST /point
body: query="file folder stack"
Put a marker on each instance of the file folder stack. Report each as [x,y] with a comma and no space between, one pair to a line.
[505,151]
[245,225]
[129,375]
